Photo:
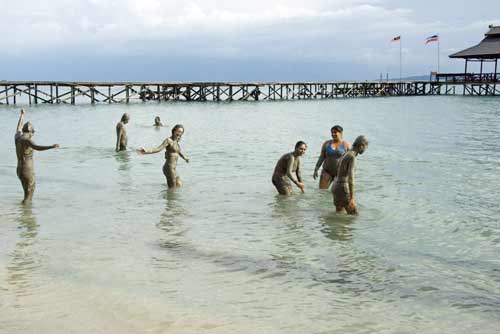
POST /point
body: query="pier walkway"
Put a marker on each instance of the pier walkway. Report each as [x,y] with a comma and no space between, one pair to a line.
[35,92]
[54,92]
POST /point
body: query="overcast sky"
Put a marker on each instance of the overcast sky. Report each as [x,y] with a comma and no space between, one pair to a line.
[230,40]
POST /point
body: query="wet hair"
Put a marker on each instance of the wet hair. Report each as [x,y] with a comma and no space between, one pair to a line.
[125,117]
[157,119]
[299,143]
[28,127]
[337,128]
[361,140]
[177,126]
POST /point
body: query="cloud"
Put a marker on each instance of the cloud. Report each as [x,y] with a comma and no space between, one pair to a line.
[86,21]
[321,31]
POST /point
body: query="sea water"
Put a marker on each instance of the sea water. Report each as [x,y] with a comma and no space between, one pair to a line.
[106,248]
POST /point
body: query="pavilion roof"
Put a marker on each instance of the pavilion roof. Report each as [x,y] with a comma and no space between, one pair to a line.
[488,48]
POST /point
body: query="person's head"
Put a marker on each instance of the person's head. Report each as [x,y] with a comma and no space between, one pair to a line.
[157,121]
[300,148]
[337,131]
[177,131]
[125,118]
[28,129]
[360,144]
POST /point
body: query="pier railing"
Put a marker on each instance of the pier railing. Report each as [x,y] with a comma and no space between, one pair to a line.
[37,92]
[468,78]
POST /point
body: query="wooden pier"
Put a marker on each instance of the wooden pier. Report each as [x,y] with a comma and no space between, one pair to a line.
[38,92]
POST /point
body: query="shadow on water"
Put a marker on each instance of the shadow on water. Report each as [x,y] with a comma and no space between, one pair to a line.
[337,227]
[23,260]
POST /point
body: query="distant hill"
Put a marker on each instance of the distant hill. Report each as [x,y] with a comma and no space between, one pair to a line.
[409,78]
[417,77]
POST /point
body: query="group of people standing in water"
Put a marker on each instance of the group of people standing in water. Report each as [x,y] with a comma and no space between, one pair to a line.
[337,159]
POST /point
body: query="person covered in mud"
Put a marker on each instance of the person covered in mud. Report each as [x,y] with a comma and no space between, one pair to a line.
[121,133]
[24,151]
[287,165]
[172,154]
[331,151]
[158,123]
[343,185]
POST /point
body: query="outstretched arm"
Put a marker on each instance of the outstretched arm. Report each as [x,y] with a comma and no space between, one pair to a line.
[298,172]
[21,121]
[289,173]
[289,168]
[162,146]
[183,157]
[321,158]
[41,147]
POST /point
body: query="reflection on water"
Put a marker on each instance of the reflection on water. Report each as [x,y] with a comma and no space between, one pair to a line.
[24,260]
[337,227]
[123,159]
[171,219]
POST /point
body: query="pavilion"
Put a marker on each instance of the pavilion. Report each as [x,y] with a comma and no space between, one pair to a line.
[488,50]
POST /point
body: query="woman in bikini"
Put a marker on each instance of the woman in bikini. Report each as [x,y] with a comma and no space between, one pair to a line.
[172,154]
[331,151]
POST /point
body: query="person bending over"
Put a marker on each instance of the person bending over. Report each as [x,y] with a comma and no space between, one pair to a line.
[286,166]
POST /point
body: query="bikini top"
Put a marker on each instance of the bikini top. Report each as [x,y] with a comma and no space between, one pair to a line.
[335,153]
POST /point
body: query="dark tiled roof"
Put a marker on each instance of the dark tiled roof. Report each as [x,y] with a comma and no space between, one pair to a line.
[488,48]
[493,31]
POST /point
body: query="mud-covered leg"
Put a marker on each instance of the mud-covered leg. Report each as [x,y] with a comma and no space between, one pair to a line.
[29,188]
[282,187]
[325,180]
[169,172]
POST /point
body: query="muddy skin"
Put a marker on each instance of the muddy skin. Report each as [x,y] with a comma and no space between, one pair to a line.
[343,185]
[286,166]
[172,154]
[121,133]
[24,152]
[331,152]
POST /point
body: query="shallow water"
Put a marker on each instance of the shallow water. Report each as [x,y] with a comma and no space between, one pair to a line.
[106,248]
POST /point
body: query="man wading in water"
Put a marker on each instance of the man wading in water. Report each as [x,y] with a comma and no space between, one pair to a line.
[121,133]
[24,152]
[343,184]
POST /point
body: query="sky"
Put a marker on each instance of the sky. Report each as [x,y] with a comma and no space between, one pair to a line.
[231,40]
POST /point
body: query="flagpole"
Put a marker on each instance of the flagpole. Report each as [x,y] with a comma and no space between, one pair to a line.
[438,52]
[400,56]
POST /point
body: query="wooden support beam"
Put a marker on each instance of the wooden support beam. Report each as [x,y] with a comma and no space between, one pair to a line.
[6,94]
